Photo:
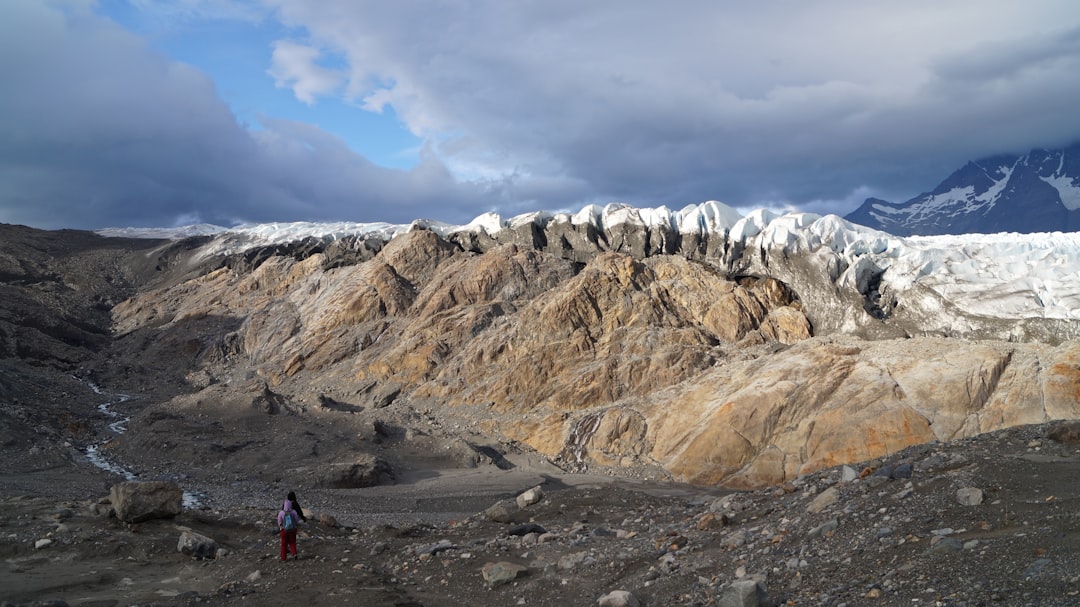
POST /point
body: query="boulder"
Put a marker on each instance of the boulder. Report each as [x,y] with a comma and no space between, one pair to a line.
[138,501]
[197,545]
[744,593]
[530,497]
[503,572]
[969,496]
[1066,432]
[365,472]
[619,598]
[505,511]
[825,499]
[711,521]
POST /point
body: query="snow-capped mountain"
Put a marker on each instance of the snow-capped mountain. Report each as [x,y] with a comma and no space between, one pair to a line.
[1036,192]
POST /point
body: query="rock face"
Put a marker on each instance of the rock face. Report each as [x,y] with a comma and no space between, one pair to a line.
[136,501]
[644,360]
[657,351]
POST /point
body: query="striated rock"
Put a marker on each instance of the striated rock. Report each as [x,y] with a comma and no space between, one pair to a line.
[138,501]
[829,401]
[619,328]
[602,349]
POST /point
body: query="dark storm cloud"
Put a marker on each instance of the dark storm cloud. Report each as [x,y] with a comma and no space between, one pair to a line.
[97,130]
[533,105]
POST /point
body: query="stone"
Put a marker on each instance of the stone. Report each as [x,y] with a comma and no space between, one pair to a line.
[902,471]
[619,598]
[530,497]
[876,480]
[42,543]
[571,561]
[327,520]
[138,501]
[946,545]
[969,496]
[824,500]
[743,593]
[526,528]
[824,528]
[365,472]
[102,510]
[197,545]
[1037,568]
[1066,432]
[848,474]
[502,572]
[437,547]
[711,521]
[505,511]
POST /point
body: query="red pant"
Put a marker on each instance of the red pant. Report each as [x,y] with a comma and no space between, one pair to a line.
[288,541]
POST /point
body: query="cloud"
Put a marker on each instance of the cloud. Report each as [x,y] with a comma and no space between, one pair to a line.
[96,129]
[530,105]
[745,102]
[295,66]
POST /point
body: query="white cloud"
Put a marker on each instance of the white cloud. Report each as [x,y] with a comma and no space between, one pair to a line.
[98,130]
[295,66]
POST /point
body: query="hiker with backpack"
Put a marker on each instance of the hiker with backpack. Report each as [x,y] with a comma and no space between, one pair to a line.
[288,519]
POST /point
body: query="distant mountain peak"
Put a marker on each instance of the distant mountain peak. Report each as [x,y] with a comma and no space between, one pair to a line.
[1034,192]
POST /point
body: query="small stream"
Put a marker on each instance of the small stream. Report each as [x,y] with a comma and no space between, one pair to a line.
[118,425]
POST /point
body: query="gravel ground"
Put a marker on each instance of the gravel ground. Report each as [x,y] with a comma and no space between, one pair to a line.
[985,521]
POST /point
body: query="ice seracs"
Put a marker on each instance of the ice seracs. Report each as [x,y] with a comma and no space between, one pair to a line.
[942,283]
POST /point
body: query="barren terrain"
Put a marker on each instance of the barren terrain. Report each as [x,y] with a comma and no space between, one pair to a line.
[412,503]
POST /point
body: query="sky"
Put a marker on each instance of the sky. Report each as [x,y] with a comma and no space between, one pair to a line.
[152,113]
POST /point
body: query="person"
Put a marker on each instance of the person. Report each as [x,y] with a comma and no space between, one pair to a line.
[291,508]
[296,505]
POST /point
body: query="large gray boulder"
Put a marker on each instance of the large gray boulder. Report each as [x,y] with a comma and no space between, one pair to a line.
[138,501]
[744,593]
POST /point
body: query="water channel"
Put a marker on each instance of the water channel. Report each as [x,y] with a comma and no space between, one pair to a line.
[118,426]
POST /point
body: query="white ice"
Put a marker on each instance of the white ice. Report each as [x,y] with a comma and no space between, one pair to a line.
[1003,275]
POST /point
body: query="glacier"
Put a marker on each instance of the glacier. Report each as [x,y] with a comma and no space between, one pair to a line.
[974,285]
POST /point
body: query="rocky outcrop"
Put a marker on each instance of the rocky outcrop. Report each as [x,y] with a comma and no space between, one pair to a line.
[828,401]
[640,359]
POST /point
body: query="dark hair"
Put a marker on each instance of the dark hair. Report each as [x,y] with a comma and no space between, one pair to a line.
[291,497]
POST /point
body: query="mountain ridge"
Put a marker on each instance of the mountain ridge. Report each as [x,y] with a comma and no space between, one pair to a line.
[1034,192]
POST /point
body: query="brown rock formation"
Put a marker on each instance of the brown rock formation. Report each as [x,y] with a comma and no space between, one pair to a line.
[622,361]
